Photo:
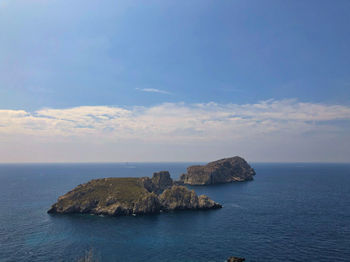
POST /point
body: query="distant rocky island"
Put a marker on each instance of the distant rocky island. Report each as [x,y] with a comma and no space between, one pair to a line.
[131,196]
[235,259]
[144,195]
[227,170]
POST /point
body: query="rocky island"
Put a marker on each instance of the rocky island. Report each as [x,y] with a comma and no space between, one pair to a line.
[131,196]
[221,171]
[235,259]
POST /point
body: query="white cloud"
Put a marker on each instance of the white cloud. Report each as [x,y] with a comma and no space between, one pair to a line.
[182,130]
[153,90]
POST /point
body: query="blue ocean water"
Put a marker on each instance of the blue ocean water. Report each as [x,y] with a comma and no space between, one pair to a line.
[290,212]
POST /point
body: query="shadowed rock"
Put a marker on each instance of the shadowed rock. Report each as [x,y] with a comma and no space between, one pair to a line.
[235,259]
[221,171]
[158,183]
[161,181]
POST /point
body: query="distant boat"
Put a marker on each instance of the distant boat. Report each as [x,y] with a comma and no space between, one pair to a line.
[129,166]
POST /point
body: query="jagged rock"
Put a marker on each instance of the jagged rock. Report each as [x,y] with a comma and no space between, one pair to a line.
[130,196]
[179,197]
[221,171]
[178,182]
[158,183]
[205,202]
[148,204]
[235,259]
[161,181]
[146,182]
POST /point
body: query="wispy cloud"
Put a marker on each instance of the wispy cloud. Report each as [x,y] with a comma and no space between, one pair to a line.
[154,90]
[250,128]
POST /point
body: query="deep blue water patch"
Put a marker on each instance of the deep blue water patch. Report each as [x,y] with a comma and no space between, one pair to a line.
[290,212]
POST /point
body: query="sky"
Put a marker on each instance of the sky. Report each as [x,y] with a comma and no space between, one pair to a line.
[149,81]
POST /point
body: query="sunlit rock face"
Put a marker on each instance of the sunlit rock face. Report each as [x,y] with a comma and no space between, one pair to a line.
[179,197]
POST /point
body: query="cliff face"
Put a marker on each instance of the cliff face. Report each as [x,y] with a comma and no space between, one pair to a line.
[130,196]
[159,182]
[221,171]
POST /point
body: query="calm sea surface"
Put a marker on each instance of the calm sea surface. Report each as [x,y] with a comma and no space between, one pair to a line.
[290,212]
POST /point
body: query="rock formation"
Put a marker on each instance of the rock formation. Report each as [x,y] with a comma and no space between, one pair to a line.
[179,197]
[160,181]
[235,259]
[221,171]
[130,196]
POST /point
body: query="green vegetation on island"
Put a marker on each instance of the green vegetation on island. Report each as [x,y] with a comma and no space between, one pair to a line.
[131,196]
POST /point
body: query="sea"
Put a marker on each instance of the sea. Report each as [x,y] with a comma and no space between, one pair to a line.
[289,212]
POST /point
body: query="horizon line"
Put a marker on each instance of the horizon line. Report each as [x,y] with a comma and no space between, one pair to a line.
[174,162]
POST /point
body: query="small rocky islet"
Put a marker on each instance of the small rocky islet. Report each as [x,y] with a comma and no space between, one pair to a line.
[226,170]
[235,259]
[144,195]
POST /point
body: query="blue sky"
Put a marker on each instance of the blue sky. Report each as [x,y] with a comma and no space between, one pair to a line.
[130,54]
[60,54]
